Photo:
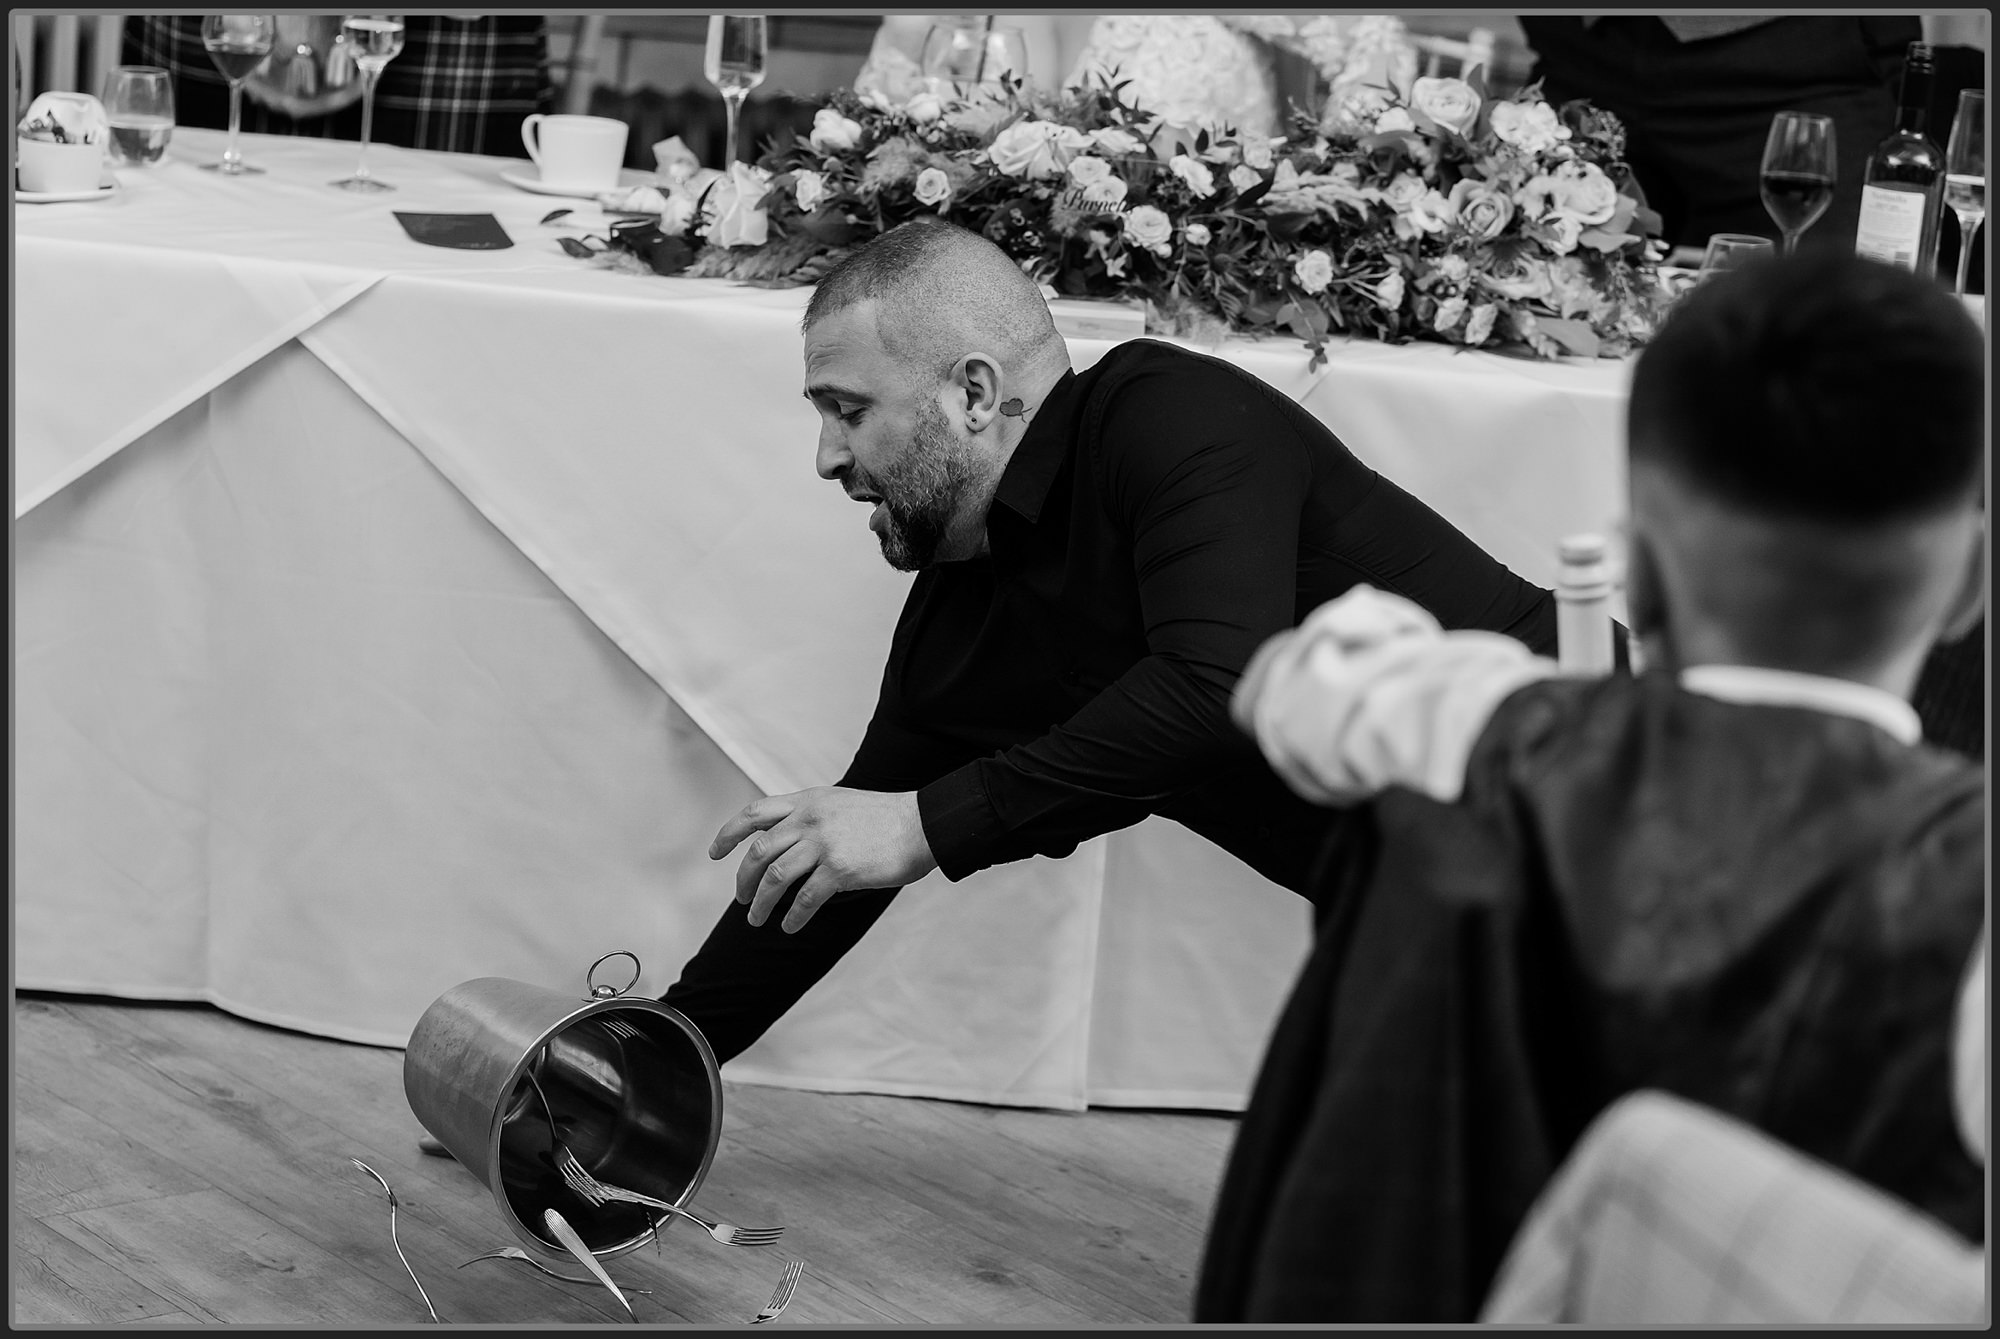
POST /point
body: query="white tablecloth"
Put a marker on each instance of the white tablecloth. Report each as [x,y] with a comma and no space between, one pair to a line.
[390,615]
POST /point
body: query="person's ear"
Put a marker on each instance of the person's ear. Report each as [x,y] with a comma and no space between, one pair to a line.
[975,383]
[1970,604]
[1646,606]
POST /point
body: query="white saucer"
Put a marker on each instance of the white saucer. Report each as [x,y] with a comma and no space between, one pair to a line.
[528,182]
[103,192]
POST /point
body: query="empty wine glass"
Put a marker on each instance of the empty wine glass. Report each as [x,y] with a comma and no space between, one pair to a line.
[1797,177]
[139,107]
[1965,173]
[966,59]
[376,39]
[238,44]
[734,63]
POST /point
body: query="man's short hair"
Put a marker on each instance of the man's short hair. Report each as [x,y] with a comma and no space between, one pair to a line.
[1819,387]
[941,291]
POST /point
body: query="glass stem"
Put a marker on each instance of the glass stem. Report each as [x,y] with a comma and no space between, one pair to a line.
[367,120]
[1964,251]
[733,102]
[1791,243]
[233,155]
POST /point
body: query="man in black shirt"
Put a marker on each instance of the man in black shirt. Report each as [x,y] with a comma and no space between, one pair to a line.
[1097,557]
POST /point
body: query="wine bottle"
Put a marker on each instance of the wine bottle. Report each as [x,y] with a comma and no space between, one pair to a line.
[1902,192]
[1583,606]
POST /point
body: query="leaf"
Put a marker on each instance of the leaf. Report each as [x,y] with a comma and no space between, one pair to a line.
[555,214]
[1603,239]
[575,248]
[1574,336]
[567,1236]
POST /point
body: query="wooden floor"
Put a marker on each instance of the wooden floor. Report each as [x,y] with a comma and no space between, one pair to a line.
[173,1163]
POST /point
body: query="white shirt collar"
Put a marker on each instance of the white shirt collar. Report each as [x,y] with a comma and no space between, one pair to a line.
[1841,697]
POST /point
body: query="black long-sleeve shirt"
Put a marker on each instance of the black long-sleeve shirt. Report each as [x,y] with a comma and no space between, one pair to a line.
[1162,516]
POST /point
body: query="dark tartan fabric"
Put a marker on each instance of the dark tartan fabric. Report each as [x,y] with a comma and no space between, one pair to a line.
[458,85]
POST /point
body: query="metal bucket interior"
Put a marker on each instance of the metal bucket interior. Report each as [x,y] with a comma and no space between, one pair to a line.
[637,1105]
[631,1085]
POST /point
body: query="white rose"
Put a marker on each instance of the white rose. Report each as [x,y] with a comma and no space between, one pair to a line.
[1197,176]
[1026,149]
[1531,127]
[1084,170]
[1115,141]
[1389,293]
[1584,193]
[1147,226]
[1243,177]
[809,189]
[1394,119]
[1480,324]
[1565,231]
[1108,191]
[1257,152]
[1449,312]
[1404,191]
[924,108]
[1453,269]
[933,187]
[684,200]
[1518,279]
[832,132]
[1449,102]
[1197,234]
[1313,271]
[735,208]
[1482,211]
[1431,212]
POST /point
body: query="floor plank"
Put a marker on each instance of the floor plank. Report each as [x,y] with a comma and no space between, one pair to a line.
[57,1282]
[202,1161]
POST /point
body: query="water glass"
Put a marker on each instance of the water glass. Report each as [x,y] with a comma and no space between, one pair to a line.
[139,105]
[374,40]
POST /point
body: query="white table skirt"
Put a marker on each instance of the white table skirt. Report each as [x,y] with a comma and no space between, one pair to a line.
[389,616]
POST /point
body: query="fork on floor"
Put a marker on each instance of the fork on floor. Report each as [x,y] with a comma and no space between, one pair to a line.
[597,1192]
[788,1283]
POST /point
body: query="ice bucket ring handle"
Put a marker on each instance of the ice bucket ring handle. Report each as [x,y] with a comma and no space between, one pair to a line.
[598,989]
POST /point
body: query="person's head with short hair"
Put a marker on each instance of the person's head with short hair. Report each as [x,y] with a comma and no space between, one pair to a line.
[927,352]
[1806,440]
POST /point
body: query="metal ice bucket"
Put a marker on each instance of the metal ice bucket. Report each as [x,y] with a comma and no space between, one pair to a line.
[631,1085]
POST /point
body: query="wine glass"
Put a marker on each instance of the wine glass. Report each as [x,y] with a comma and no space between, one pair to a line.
[238,44]
[966,59]
[1727,250]
[734,63]
[139,107]
[1965,173]
[376,39]
[1798,172]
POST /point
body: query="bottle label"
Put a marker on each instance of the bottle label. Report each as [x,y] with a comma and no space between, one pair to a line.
[1892,225]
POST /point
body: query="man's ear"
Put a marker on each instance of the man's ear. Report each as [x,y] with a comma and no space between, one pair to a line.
[975,383]
[1648,643]
[1970,605]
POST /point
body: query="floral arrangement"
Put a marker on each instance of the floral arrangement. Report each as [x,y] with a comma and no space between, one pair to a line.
[64,118]
[1435,212]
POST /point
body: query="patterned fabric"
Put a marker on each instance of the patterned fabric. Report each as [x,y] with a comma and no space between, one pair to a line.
[1697,27]
[458,85]
[1673,1213]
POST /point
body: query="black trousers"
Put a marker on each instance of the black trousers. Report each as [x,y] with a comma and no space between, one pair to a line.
[1697,114]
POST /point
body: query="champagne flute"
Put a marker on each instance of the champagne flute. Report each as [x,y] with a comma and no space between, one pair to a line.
[375,39]
[139,107]
[1965,173]
[238,44]
[1798,172]
[734,63]
[966,58]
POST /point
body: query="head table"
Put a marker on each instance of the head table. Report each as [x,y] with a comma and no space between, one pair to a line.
[390,615]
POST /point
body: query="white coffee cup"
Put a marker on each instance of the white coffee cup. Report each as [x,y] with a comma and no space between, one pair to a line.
[58,168]
[576,153]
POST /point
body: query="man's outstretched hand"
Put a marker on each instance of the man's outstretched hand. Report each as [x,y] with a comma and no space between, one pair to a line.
[830,837]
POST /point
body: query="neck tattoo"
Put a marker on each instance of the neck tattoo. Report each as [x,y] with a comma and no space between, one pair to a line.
[1015,409]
